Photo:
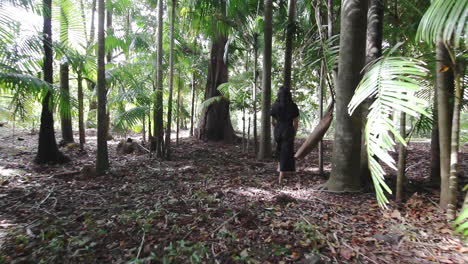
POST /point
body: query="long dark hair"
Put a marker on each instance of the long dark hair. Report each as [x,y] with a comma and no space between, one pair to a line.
[284,97]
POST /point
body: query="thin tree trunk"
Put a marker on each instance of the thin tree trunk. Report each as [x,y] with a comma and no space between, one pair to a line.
[109,32]
[65,114]
[434,177]
[171,84]
[243,129]
[455,145]
[375,16]
[192,108]
[345,162]
[320,95]
[289,44]
[179,87]
[265,135]
[144,128]
[330,18]
[248,135]
[157,144]
[102,160]
[92,29]
[47,151]
[445,86]
[255,88]
[84,20]
[401,160]
[81,126]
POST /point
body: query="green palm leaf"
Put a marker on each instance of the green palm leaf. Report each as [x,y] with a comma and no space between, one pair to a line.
[130,118]
[443,20]
[392,81]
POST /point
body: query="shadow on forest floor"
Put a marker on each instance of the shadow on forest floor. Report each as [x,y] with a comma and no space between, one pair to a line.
[210,203]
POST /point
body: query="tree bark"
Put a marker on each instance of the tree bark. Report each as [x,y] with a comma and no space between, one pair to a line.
[171,84]
[330,18]
[192,108]
[102,160]
[65,114]
[345,162]
[255,88]
[375,16]
[47,149]
[179,87]
[81,126]
[289,44]
[445,86]
[157,143]
[215,123]
[265,134]
[401,161]
[92,28]
[434,177]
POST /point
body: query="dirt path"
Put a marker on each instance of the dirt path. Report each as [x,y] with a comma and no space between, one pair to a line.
[211,204]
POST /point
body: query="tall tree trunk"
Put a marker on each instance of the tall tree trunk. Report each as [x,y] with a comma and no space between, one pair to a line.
[255,89]
[215,123]
[157,144]
[65,113]
[455,143]
[171,84]
[84,20]
[330,18]
[47,151]
[144,128]
[81,126]
[102,160]
[445,86]
[265,134]
[375,16]
[289,44]
[192,108]
[179,87]
[401,161]
[434,177]
[92,28]
[320,95]
[109,32]
[345,163]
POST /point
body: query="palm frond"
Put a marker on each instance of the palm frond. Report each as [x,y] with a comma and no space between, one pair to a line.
[130,118]
[392,81]
[443,21]
[460,225]
[210,101]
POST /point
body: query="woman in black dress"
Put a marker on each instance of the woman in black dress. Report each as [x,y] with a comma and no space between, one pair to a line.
[285,120]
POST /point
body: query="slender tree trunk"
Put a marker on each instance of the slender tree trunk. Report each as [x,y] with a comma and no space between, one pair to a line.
[248,134]
[265,135]
[84,20]
[149,127]
[47,149]
[320,95]
[158,134]
[215,123]
[192,111]
[109,32]
[401,160]
[255,89]
[102,160]
[345,162]
[289,44]
[330,18]
[243,128]
[81,126]
[171,84]
[179,87]
[434,177]
[65,114]
[375,16]
[144,128]
[455,145]
[92,28]
[445,86]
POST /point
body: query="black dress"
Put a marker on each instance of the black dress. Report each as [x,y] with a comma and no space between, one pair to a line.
[284,134]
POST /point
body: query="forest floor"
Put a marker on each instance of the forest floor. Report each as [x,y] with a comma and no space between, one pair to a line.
[212,203]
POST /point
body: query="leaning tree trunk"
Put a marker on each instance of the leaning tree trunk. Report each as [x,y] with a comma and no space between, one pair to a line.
[215,123]
[65,112]
[289,44]
[265,133]
[157,142]
[81,126]
[102,160]
[375,16]
[445,86]
[455,145]
[171,85]
[347,143]
[47,151]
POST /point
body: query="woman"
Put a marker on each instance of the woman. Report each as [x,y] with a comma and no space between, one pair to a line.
[285,120]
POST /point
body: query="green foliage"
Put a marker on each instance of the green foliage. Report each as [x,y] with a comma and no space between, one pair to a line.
[460,225]
[392,82]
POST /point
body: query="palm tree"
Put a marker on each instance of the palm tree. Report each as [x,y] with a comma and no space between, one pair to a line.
[157,143]
[102,160]
[47,150]
[171,84]
[265,134]
[345,162]
[289,44]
